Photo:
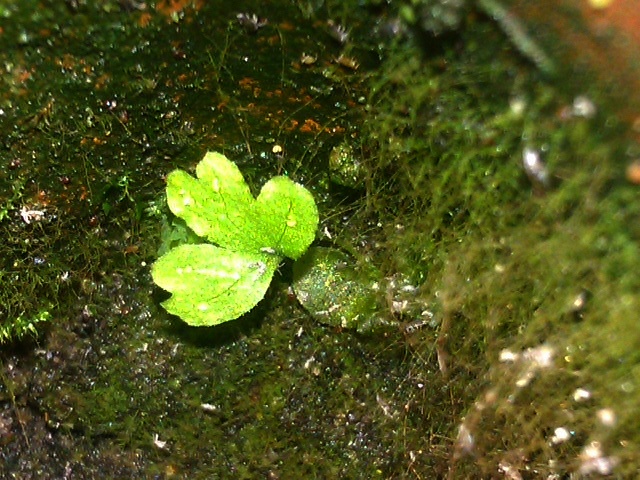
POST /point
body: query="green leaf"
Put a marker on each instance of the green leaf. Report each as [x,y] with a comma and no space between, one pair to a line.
[218,206]
[214,205]
[211,285]
[287,217]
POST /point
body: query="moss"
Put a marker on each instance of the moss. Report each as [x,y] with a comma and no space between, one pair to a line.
[502,265]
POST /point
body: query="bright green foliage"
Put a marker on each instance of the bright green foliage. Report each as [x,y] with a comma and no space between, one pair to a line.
[219,207]
[214,284]
[210,284]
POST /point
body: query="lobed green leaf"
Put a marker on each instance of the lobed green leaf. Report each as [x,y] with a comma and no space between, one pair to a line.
[215,205]
[218,206]
[211,285]
[287,217]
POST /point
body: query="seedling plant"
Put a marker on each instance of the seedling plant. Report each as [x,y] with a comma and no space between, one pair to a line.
[246,238]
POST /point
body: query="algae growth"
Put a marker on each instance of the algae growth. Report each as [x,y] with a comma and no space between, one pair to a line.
[530,337]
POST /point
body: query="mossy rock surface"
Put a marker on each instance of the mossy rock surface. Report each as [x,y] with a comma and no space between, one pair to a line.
[100,102]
